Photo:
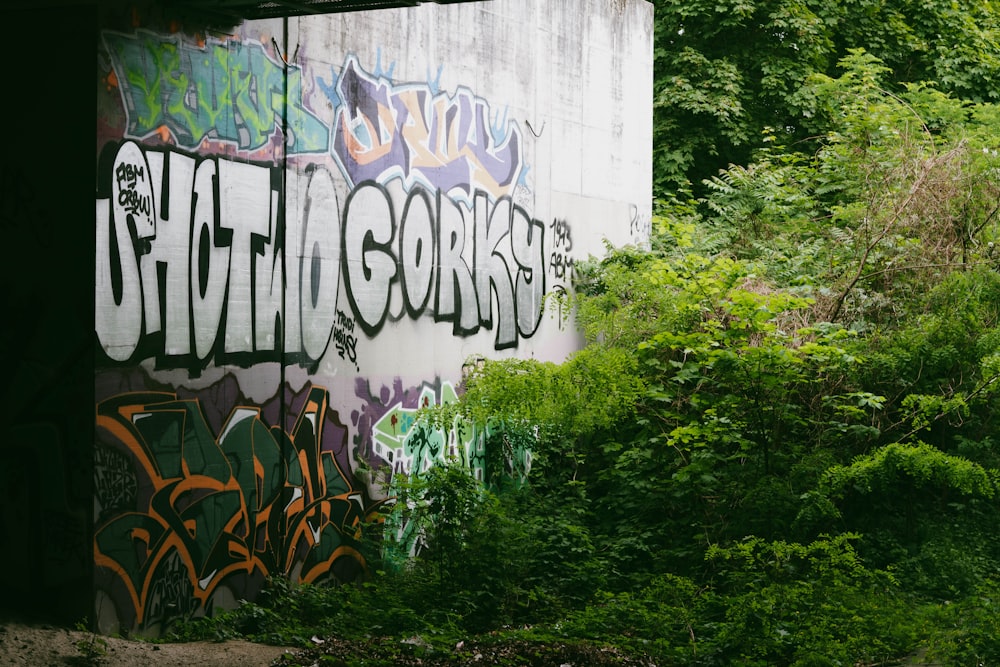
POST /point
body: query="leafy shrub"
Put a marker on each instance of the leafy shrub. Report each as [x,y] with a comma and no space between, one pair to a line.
[671,619]
[967,632]
[806,604]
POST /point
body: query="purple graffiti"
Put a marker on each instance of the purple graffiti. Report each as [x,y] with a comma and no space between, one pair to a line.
[384,131]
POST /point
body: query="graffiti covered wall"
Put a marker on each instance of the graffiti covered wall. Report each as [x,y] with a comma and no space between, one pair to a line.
[304,228]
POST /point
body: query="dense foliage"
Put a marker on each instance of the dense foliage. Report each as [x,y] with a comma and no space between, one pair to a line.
[727,69]
[779,445]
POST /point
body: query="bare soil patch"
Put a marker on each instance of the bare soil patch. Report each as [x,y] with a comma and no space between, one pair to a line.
[23,643]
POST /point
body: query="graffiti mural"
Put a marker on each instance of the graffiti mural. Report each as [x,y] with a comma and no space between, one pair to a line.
[214,94]
[408,445]
[392,435]
[189,262]
[454,142]
[424,253]
[182,512]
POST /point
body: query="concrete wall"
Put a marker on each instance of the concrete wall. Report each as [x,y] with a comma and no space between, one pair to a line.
[305,229]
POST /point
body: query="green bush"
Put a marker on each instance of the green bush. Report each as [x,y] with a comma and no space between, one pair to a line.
[806,604]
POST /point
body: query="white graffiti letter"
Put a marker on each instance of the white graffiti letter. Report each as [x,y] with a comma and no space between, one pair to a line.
[209,263]
[456,292]
[416,251]
[490,268]
[319,258]
[244,198]
[118,299]
[268,282]
[170,248]
[528,245]
[135,207]
[369,266]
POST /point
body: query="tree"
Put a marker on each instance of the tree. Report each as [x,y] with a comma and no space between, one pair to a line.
[727,69]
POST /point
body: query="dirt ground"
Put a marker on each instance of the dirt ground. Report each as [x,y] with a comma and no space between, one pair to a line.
[50,646]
